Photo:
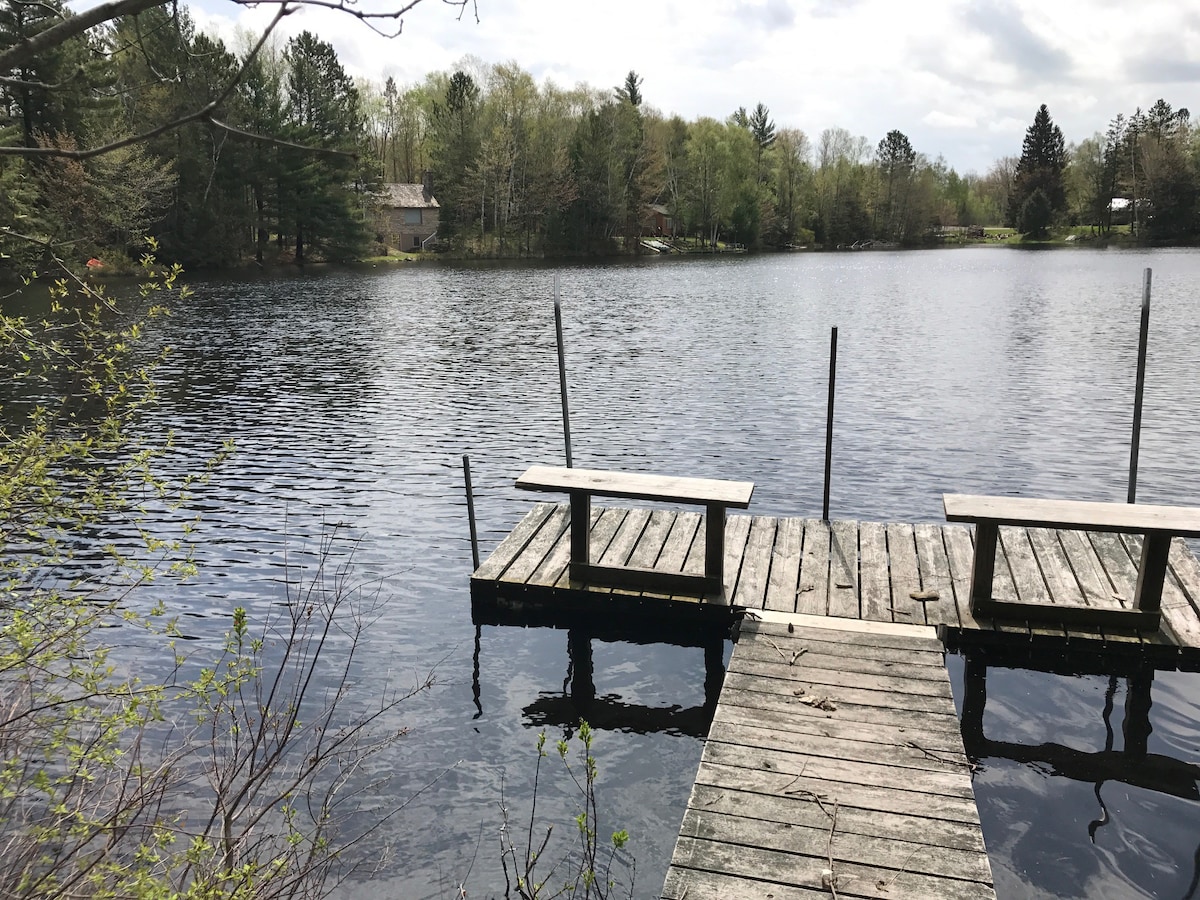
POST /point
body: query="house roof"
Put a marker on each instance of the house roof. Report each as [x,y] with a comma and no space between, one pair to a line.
[408,196]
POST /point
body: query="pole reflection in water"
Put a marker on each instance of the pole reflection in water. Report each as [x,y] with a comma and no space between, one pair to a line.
[578,699]
[1133,764]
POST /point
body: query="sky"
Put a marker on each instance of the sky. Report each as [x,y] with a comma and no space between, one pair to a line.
[961,78]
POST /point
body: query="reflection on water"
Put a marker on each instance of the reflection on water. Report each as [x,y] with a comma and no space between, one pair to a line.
[352,396]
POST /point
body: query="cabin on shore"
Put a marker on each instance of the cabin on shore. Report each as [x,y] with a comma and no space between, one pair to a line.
[408,214]
[657,221]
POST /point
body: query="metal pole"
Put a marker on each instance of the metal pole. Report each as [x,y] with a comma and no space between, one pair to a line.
[829,421]
[1141,384]
[562,371]
[471,510]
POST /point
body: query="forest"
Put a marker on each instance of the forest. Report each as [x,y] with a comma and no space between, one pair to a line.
[145,127]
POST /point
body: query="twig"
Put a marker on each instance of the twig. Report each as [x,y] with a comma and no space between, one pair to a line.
[887,885]
[931,755]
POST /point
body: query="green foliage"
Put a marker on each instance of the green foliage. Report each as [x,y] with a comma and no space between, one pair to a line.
[153,783]
[590,867]
[1041,168]
[1035,215]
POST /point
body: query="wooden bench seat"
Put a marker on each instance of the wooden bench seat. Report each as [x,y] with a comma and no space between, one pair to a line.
[582,484]
[1158,524]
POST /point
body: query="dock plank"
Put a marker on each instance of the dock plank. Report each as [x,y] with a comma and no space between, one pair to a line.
[937,589]
[904,573]
[812,596]
[514,542]
[875,586]
[843,570]
[784,582]
[756,563]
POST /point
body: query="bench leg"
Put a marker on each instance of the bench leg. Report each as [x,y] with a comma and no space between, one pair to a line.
[714,546]
[1152,572]
[581,531]
[984,566]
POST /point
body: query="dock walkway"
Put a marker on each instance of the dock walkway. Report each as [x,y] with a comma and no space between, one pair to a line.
[834,759]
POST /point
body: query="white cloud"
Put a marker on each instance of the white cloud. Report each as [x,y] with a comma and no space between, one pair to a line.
[938,119]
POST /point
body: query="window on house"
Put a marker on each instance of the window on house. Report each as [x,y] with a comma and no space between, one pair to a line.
[412,217]
[416,242]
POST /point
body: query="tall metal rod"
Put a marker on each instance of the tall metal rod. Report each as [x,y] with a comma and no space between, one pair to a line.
[562,371]
[829,421]
[1141,384]
[471,510]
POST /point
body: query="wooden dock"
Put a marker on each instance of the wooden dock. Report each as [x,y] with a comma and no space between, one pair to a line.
[872,571]
[833,767]
[834,764]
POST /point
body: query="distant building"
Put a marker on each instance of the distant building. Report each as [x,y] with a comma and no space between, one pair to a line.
[658,221]
[408,214]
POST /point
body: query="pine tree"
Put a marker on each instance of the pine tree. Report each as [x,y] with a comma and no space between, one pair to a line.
[1041,167]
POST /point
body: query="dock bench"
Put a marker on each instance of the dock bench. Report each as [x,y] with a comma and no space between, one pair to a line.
[582,484]
[1158,525]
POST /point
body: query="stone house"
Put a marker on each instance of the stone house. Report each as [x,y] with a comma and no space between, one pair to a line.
[408,214]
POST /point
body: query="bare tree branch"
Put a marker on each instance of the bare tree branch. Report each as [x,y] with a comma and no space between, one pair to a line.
[27,50]
[202,114]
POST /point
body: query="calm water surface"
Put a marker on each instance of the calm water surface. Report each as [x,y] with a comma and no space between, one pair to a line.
[351,398]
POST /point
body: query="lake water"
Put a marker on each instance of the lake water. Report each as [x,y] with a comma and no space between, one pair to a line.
[352,396]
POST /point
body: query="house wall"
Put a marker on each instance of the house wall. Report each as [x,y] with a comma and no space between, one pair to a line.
[401,235]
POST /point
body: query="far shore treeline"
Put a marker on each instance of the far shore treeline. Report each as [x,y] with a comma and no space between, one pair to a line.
[518,168]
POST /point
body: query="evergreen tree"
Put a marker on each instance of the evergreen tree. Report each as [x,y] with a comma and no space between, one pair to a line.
[318,205]
[896,160]
[456,143]
[1041,167]
[631,90]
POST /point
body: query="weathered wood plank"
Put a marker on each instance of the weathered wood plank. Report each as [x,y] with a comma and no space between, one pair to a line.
[904,575]
[853,818]
[782,708]
[1122,575]
[843,629]
[756,562]
[770,663]
[514,542]
[756,687]
[862,788]
[901,636]
[813,592]
[831,841]
[804,672]
[1060,579]
[605,525]
[744,726]
[1181,596]
[691,884]
[538,548]
[1004,589]
[805,871]
[833,766]
[875,588]
[650,543]
[843,570]
[555,563]
[959,554]
[935,577]
[670,489]
[737,532]
[1031,588]
[1086,515]
[785,566]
